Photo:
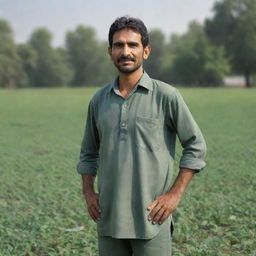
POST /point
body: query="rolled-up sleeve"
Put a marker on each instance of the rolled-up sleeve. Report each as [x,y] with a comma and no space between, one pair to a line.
[189,134]
[89,154]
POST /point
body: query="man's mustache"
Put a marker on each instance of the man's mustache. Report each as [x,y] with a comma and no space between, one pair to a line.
[122,58]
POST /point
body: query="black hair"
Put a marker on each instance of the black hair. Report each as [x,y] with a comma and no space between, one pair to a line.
[130,23]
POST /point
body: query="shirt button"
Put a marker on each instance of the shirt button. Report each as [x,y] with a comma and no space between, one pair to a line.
[123,124]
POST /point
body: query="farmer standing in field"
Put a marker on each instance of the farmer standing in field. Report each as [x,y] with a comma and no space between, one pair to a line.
[129,143]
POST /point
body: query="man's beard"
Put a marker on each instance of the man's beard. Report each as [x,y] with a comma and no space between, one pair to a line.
[127,70]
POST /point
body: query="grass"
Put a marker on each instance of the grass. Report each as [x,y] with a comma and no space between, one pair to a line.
[40,193]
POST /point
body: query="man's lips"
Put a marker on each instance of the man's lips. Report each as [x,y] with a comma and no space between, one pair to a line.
[125,61]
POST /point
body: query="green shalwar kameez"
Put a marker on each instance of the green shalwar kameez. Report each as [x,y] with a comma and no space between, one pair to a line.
[130,145]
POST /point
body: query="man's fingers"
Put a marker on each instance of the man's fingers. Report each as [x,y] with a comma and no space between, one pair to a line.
[95,212]
[93,206]
[154,212]
[158,215]
[152,205]
[92,214]
[165,215]
[97,207]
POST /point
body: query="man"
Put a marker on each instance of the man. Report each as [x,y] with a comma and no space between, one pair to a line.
[129,143]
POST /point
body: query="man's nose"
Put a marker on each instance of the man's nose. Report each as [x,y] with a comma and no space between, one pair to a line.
[126,50]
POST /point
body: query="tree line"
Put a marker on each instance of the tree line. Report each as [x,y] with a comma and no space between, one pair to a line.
[224,44]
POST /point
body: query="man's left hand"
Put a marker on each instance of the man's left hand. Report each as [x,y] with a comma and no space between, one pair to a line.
[163,206]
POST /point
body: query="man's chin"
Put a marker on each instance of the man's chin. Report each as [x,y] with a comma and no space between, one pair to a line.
[127,70]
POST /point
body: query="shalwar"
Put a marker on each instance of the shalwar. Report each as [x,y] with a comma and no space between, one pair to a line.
[159,245]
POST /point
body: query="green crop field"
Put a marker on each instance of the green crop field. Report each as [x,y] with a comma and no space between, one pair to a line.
[42,210]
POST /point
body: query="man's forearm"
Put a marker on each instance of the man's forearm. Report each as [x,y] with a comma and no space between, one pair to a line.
[181,182]
[88,183]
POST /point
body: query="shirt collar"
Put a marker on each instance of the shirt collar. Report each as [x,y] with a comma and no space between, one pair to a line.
[145,81]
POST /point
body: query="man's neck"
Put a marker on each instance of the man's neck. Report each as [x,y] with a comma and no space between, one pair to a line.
[128,81]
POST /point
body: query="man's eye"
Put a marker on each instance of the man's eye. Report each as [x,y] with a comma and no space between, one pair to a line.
[118,45]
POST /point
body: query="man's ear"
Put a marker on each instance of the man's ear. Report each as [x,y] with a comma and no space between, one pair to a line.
[146,52]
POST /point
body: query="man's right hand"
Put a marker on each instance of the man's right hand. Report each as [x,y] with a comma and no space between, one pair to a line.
[93,207]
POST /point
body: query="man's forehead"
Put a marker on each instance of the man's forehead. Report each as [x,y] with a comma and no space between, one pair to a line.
[126,33]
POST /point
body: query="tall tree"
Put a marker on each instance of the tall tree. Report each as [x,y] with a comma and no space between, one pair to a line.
[11,72]
[105,67]
[51,65]
[82,47]
[28,56]
[155,62]
[195,60]
[234,26]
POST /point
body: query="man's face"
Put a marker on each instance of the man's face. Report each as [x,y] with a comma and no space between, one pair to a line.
[127,51]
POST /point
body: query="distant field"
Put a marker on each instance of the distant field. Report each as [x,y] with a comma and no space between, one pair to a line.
[40,192]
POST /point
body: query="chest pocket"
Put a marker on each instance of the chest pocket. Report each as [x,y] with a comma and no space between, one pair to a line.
[148,133]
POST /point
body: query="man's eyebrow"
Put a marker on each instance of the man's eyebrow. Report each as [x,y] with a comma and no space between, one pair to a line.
[118,42]
[133,43]
[129,42]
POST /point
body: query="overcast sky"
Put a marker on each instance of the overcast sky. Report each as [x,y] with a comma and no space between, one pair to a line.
[62,15]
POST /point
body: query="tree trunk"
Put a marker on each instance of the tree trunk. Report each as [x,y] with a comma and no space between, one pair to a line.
[248,80]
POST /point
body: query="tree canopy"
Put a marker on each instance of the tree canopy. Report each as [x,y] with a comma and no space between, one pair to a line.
[234,26]
[154,64]
[51,67]
[11,72]
[195,60]
[88,57]
[202,56]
